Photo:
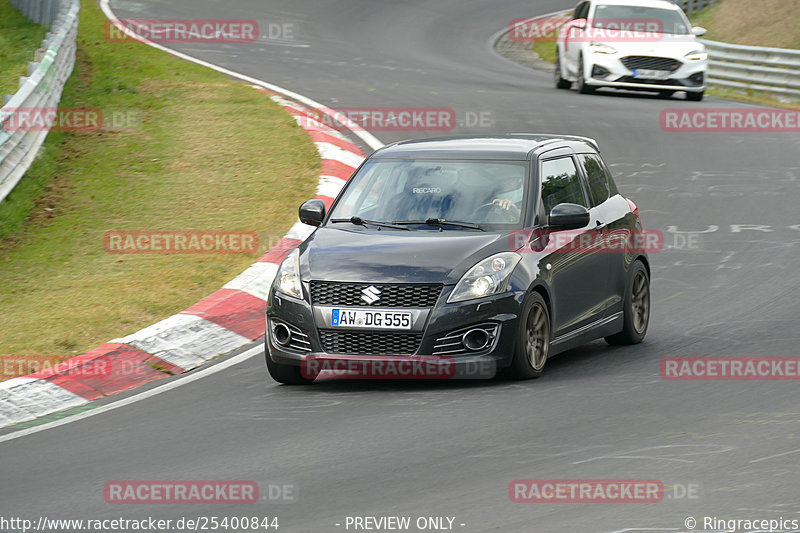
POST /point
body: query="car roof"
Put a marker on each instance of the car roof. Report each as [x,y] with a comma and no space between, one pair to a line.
[509,146]
[664,4]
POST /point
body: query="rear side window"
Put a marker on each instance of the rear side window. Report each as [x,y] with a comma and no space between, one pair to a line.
[561,184]
[601,185]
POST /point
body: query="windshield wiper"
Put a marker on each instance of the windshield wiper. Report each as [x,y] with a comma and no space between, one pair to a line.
[439,222]
[358,221]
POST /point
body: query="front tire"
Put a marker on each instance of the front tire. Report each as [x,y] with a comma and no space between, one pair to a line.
[286,374]
[582,87]
[533,339]
[636,308]
[561,83]
[695,97]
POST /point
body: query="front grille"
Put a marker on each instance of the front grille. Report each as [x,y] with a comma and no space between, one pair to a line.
[651,63]
[631,79]
[391,295]
[369,343]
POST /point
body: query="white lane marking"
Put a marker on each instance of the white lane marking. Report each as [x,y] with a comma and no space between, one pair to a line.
[256,280]
[15,382]
[330,186]
[774,456]
[185,379]
[299,231]
[185,340]
[331,151]
[365,136]
[40,397]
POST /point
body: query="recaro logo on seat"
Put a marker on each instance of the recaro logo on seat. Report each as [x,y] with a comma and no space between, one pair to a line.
[371,294]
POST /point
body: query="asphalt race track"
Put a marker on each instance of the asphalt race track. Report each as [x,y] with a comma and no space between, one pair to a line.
[727,449]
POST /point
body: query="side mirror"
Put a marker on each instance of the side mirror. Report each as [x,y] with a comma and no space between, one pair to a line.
[699,31]
[580,24]
[568,216]
[312,212]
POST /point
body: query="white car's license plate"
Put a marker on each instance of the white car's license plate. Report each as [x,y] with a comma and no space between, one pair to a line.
[353,318]
[651,74]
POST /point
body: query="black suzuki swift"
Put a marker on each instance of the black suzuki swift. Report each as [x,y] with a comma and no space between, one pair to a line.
[500,249]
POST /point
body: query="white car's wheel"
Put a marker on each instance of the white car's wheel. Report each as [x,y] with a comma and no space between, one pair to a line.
[582,87]
[561,83]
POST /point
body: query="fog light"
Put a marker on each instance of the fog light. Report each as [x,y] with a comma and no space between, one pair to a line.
[600,72]
[283,335]
[697,78]
[475,340]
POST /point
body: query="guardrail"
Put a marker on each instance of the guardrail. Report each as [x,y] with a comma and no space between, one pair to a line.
[772,70]
[42,12]
[41,90]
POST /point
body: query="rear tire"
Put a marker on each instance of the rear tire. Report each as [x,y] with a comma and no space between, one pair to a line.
[286,374]
[561,83]
[582,87]
[695,97]
[533,339]
[636,308]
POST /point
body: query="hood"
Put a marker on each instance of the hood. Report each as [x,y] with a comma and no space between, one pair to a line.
[675,46]
[395,256]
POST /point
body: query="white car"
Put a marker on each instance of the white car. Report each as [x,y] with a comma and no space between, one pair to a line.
[646,45]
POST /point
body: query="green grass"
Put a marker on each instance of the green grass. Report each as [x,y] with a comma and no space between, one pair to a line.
[205,153]
[19,39]
[545,50]
[761,24]
[772,23]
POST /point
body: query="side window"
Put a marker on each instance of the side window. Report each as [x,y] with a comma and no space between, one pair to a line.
[581,11]
[596,177]
[561,184]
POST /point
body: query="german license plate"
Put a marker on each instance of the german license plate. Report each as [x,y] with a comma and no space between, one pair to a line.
[356,318]
[651,74]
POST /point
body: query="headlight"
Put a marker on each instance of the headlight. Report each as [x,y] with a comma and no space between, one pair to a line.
[490,276]
[600,48]
[288,278]
[697,55]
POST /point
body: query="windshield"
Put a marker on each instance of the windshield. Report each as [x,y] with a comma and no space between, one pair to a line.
[653,19]
[476,192]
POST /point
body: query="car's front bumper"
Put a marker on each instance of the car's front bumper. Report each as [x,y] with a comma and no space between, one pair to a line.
[437,350]
[607,70]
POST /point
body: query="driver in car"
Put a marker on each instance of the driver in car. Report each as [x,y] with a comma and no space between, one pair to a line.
[509,194]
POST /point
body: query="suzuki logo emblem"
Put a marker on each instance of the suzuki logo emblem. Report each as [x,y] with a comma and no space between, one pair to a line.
[371,294]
